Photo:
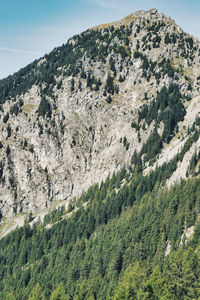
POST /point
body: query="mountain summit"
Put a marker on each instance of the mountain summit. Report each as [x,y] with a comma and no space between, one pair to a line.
[100,157]
[116,95]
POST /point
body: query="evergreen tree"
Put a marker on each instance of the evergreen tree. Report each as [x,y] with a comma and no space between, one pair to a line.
[37,293]
[59,293]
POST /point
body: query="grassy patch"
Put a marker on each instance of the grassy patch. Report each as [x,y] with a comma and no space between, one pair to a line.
[28,107]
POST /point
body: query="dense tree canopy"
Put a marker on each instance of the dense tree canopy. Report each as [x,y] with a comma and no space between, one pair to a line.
[113,248]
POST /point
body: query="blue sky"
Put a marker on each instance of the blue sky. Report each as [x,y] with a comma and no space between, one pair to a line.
[29,29]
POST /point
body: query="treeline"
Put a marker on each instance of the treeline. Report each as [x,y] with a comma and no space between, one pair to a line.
[94,44]
[166,109]
[127,221]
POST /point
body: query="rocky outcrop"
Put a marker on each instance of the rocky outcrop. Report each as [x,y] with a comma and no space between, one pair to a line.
[86,136]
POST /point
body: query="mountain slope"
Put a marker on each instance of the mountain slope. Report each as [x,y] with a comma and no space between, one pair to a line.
[120,99]
[78,114]
[128,239]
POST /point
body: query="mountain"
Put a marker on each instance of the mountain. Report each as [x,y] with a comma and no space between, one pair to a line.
[78,114]
[100,157]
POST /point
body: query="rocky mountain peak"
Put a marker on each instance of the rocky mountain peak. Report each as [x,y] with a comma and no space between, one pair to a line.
[116,95]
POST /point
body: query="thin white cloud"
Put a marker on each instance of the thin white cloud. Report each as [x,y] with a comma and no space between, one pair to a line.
[106,3]
[19,51]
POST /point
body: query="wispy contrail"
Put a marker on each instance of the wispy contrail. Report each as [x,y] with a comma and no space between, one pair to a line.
[19,51]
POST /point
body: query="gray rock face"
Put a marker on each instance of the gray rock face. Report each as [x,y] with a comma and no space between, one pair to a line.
[68,160]
[44,159]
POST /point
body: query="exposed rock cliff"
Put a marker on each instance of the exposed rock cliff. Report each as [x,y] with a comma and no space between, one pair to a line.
[77,115]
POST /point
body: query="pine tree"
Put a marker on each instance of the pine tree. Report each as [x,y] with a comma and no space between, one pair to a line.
[59,293]
[37,293]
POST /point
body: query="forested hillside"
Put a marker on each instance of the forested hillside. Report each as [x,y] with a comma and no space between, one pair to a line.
[113,246]
[100,164]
